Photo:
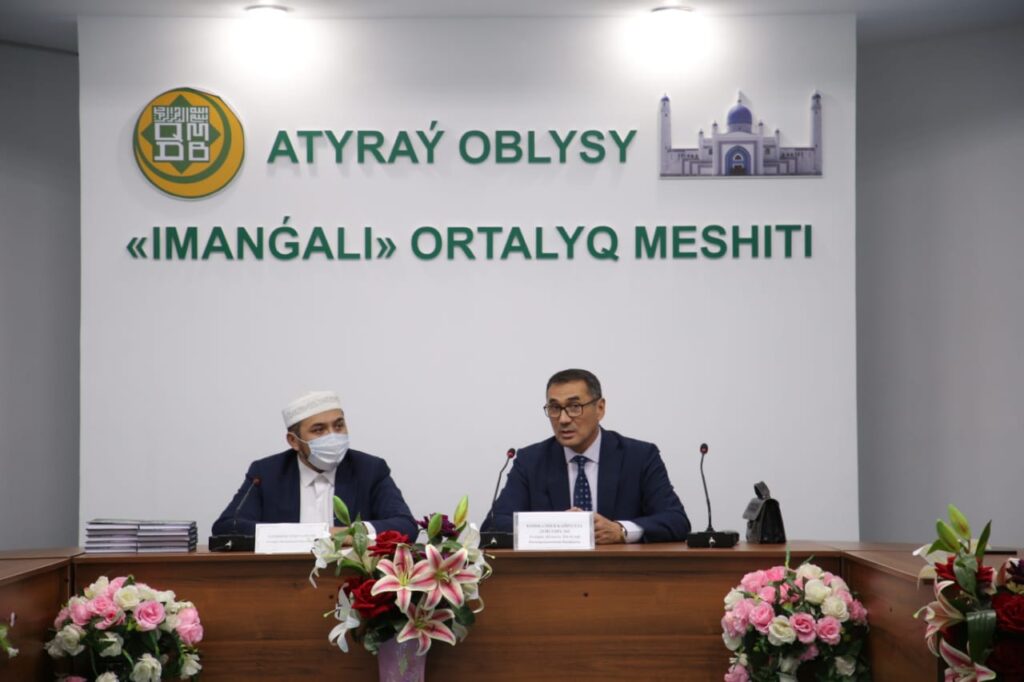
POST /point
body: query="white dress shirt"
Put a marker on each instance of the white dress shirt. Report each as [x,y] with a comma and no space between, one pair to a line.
[634,533]
[316,497]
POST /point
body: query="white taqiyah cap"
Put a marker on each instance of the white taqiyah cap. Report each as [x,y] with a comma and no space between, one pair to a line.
[309,404]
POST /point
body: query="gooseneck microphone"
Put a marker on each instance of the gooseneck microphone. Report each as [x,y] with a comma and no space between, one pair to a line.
[255,481]
[234,541]
[707,498]
[496,539]
[509,456]
[711,538]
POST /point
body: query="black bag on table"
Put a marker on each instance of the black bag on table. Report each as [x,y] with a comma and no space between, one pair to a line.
[764,518]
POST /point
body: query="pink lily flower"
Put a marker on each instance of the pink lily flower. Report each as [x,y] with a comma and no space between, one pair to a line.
[403,577]
[939,615]
[425,625]
[447,577]
[961,667]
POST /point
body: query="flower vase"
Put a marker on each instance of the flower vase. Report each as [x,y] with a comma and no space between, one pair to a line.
[398,662]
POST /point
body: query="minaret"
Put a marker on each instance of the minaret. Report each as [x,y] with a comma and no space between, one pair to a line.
[700,142]
[716,148]
[666,133]
[816,130]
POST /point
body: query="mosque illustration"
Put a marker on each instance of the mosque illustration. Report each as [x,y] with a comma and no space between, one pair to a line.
[740,150]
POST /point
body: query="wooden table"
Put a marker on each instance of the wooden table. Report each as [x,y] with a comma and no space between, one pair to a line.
[642,612]
[45,553]
[647,612]
[34,589]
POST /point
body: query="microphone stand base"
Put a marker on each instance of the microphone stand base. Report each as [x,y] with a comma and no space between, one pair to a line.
[493,539]
[232,543]
[713,539]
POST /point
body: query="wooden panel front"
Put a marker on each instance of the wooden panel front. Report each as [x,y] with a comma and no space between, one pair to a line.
[647,613]
[261,617]
[34,589]
[606,616]
[887,585]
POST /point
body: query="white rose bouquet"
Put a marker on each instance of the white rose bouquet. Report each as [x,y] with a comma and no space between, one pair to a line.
[779,619]
[122,630]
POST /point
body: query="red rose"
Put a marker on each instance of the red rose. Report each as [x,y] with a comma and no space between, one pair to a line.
[370,605]
[1009,612]
[387,541]
[1007,659]
[351,583]
[945,572]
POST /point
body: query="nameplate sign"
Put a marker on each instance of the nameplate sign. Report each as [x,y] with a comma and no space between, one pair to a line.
[537,531]
[288,538]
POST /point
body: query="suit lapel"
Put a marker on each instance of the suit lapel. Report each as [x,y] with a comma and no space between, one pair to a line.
[608,473]
[291,487]
[557,476]
[345,488]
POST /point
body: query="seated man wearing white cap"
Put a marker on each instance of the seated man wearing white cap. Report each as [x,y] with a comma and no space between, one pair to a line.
[298,485]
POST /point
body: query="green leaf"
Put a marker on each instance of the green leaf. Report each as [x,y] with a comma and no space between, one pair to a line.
[341,511]
[374,637]
[959,521]
[360,538]
[348,563]
[961,605]
[465,616]
[947,536]
[981,627]
[979,553]
[937,546]
[966,571]
[434,527]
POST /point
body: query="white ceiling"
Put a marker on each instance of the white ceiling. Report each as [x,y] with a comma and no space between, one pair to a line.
[52,23]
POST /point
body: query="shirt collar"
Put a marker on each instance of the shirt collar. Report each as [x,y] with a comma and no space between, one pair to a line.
[308,474]
[593,453]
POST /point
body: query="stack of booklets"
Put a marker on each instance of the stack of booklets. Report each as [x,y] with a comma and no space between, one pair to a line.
[139,535]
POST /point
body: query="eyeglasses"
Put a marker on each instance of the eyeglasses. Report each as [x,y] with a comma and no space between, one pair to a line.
[554,411]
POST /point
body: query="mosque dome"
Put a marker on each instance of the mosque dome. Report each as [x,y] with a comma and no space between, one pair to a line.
[739,119]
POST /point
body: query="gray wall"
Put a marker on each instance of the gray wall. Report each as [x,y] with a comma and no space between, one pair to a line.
[39,298]
[940,283]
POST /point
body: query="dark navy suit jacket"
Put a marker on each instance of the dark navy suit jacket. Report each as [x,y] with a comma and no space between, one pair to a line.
[632,485]
[362,481]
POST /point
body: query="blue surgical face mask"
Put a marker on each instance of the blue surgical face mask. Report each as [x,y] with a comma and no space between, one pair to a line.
[326,452]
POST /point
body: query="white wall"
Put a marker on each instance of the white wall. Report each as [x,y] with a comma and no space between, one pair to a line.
[442,364]
[939,282]
[39,294]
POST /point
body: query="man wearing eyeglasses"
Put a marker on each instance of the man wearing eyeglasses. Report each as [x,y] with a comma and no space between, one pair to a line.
[586,468]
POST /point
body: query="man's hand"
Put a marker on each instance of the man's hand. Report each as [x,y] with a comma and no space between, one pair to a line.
[607,532]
